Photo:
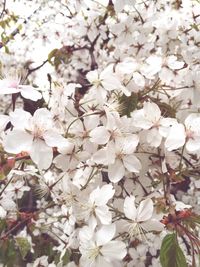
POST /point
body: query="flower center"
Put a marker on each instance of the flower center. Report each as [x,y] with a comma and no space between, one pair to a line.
[93,252]
[135,229]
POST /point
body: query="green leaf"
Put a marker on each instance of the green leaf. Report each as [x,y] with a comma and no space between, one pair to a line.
[23,245]
[171,254]
[128,103]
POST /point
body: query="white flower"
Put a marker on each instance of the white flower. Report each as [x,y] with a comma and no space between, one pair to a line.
[33,134]
[149,118]
[173,63]
[11,84]
[141,218]
[119,156]
[95,206]
[98,249]
[190,134]
[103,82]
[124,158]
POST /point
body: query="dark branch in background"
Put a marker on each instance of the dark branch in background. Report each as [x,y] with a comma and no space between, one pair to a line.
[4,9]
[34,69]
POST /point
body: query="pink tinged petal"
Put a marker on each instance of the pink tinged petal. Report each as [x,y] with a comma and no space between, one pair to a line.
[17,141]
[101,196]
[99,135]
[105,234]
[104,215]
[193,144]
[130,210]
[114,250]
[116,171]
[30,92]
[145,210]
[132,163]
[6,87]
[152,225]
[176,137]
[54,139]
[41,154]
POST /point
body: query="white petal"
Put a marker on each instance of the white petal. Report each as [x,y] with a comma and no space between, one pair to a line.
[101,262]
[19,118]
[92,76]
[153,137]
[7,88]
[17,141]
[101,196]
[145,210]
[129,208]
[54,139]
[138,79]
[99,135]
[30,92]
[62,162]
[193,144]
[2,213]
[91,122]
[173,63]
[176,137]
[105,234]
[132,163]
[104,156]
[152,225]
[116,171]
[41,154]
[104,215]
[114,250]
[129,143]
[152,112]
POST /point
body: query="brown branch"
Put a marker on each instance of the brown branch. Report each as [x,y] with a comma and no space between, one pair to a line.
[4,9]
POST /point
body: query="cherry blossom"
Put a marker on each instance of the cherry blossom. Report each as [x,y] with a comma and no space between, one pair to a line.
[98,249]
[12,84]
[141,219]
[33,134]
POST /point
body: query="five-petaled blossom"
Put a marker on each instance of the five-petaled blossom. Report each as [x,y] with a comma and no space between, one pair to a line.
[98,249]
[141,219]
[34,134]
[12,84]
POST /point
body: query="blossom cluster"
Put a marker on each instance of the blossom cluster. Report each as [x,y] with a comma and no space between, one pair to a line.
[100,133]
